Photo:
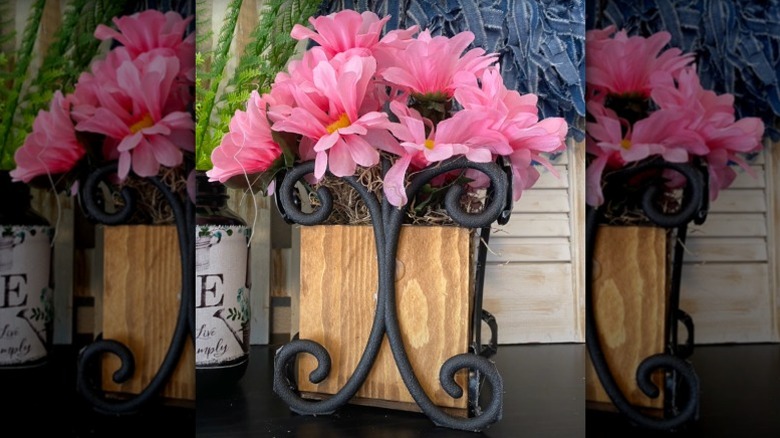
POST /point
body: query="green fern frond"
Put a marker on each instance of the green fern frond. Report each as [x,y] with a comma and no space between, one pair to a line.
[72,50]
[7,35]
[19,75]
[210,73]
[267,53]
[203,32]
[203,42]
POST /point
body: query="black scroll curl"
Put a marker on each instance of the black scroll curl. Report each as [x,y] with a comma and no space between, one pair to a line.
[94,204]
[694,202]
[495,205]
[678,411]
[89,356]
[387,221]
[290,208]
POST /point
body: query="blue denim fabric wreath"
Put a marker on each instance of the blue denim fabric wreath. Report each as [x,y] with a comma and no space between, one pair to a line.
[541,42]
[737,44]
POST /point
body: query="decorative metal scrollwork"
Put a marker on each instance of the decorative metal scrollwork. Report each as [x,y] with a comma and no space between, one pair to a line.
[184,216]
[386,222]
[680,407]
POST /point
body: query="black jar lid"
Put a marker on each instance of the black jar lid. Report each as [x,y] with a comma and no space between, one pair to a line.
[208,192]
[14,194]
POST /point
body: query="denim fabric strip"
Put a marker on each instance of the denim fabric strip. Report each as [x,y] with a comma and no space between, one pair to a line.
[736,42]
[541,43]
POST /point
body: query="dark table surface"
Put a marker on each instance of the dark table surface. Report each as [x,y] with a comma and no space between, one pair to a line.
[49,406]
[545,397]
[740,396]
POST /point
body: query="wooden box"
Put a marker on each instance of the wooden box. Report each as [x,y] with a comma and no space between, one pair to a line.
[630,303]
[338,300]
[141,296]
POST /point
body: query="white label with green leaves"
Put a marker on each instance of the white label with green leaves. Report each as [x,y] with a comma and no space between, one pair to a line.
[222,284]
[26,298]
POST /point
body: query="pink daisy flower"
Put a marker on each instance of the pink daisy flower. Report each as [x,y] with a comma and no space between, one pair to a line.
[51,147]
[624,65]
[515,116]
[145,31]
[131,113]
[344,133]
[249,147]
[353,32]
[466,133]
[663,133]
[428,65]
[711,117]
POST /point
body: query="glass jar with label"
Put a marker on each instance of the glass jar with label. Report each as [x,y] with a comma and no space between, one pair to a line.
[26,289]
[222,284]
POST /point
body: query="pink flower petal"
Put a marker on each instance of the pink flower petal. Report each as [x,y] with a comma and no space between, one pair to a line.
[320,165]
[326,142]
[393,182]
[144,161]
[123,165]
[105,122]
[340,161]
[130,142]
[361,152]
[165,152]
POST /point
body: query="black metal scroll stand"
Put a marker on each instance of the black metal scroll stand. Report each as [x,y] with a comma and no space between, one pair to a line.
[681,383]
[184,215]
[386,221]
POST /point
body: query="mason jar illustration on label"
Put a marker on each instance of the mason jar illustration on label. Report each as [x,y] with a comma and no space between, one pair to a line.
[26,298]
[222,311]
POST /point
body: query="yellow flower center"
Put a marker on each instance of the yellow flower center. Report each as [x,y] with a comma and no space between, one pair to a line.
[429,144]
[145,122]
[625,144]
[342,122]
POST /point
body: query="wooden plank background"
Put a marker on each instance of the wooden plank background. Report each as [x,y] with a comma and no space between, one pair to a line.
[534,282]
[773,227]
[729,281]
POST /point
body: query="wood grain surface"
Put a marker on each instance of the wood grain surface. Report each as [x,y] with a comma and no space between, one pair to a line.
[338,300]
[629,299]
[141,295]
[532,302]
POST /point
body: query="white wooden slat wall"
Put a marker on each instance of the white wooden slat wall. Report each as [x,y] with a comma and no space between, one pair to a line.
[535,286]
[534,276]
[773,224]
[729,281]
[256,212]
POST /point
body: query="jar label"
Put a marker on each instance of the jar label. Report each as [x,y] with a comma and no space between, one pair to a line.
[26,298]
[222,286]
